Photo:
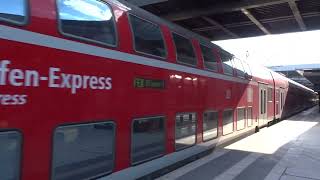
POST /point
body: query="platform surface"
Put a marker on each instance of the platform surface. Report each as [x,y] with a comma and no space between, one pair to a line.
[288,150]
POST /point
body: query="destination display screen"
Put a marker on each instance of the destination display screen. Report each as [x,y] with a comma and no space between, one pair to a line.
[149,83]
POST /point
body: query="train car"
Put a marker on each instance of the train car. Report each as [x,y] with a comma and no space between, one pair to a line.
[100,89]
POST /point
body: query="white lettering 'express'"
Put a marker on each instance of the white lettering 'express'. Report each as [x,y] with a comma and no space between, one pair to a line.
[55,79]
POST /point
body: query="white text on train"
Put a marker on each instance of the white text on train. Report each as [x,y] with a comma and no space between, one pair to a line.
[55,79]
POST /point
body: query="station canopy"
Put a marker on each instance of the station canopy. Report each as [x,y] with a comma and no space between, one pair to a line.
[306,74]
[230,19]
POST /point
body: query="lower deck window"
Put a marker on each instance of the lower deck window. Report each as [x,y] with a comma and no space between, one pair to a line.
[83,151]
[210,124]
[148,139]
[227,122]
[10,150]
[241,118]
[185,130]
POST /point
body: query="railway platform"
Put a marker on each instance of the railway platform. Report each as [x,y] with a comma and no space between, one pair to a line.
[288,150]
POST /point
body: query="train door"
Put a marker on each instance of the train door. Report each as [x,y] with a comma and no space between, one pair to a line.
[262,104]
[278,108]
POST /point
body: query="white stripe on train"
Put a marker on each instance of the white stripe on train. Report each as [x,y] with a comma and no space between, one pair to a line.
[19,35]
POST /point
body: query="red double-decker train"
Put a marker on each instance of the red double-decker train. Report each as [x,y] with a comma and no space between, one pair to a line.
[102,89]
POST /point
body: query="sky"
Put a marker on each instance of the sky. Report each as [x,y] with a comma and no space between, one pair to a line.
[84,10]
[276,50]
[15,7]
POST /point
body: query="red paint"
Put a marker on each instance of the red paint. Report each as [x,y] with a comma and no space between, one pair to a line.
[48,108]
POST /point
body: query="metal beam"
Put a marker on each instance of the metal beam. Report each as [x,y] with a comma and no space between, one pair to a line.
[221,8]
[215,23]
[145,2]
[255,21]
[248,23]
[297,15]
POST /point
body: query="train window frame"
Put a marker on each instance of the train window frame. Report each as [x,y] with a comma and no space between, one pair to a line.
[176,51]
[164,58]
[233,128]
[26,16]
[20,150]
[195,134]
[164,138]
[244,108]
[203,60]
[209,139]
[87,40]
[84,124]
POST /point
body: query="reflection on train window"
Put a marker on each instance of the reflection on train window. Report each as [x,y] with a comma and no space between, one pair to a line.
[209,58]
[241,118]
[147,37]
[239,67]
[148,139]
[210,125]
[14,11]
[90,20]
[227,121]
[185,130]
[184,49]
[10,150]
[270,96]
[75,147]
[249,116]
[226,63]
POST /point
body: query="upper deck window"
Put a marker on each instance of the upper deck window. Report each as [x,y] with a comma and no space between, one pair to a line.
[226,63]
[247,68]
[184,49]
[14,11]
[147,37]
[209,58]
[239,67]
[90,20]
